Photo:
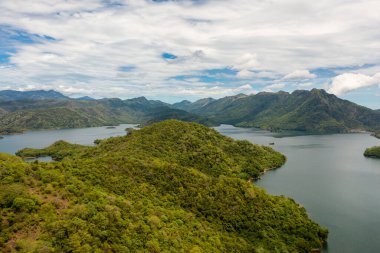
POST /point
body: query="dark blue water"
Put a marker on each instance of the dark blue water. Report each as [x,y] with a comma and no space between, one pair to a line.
[331,178]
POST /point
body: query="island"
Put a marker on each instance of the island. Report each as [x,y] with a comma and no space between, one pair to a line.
[373,152]
[171,186]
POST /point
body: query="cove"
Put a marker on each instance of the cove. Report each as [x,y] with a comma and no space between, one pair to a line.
[330,177]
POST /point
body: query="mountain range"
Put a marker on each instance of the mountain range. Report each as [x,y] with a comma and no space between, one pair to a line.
[314,111]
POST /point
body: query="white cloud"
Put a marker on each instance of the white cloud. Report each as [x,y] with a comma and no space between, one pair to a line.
[351,81]
[245,74]
[299,75]
[246,62]
[268,38]
[275,86]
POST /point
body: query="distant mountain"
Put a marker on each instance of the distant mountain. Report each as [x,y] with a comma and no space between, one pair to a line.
[21,115]
[183,105]
[86,98]
[9,95]
[313,111]
[164,113]
[188,106]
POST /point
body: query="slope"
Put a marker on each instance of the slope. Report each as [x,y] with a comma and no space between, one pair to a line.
[169,187]
[312,111]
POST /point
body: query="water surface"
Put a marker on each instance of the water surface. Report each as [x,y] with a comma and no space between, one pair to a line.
[327,174]
[43,138]
[331,178]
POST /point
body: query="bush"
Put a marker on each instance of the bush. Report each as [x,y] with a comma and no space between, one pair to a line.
[24,204]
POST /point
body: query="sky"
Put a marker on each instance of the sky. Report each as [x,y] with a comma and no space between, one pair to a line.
[191,49]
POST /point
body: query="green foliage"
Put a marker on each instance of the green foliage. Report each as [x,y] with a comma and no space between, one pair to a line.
[23,204]
[57,151]
[169,187]
[373,152]
[311,111]
[20,115]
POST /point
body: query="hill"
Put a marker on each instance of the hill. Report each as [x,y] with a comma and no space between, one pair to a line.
[165,113]
[373,152]
[311,111]
[20,115]
[9,95]
[169,187]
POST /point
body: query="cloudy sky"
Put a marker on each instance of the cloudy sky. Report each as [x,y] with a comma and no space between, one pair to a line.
[174,50]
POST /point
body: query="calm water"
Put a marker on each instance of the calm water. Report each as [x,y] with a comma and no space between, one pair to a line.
[331,178]
[40,139]
[327,174]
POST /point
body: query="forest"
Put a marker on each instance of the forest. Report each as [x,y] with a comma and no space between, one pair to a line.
[168,187]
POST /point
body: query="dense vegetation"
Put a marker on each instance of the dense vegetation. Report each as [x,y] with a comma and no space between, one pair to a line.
[312,111]
[19,115]
[377,135]
[372,152]
[11,95]
[169,187]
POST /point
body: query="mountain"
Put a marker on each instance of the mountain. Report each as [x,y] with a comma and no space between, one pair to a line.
[20,115]
[9,95]
[184,105]
[312,111]
[163,113]
[86,98]
[169,187]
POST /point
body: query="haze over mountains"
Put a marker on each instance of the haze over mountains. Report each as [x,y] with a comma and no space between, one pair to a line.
[313,111]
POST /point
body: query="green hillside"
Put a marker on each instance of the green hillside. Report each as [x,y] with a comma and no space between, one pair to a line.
[21,115]
[169,187]
[312,111]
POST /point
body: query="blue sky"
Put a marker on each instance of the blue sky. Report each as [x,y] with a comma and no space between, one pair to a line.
[175,50]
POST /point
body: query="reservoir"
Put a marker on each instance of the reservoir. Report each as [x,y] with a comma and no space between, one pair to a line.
[327,174]
[330,177]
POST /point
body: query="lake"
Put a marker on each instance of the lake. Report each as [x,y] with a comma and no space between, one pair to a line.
[43,138]
[327,174]
[330,177]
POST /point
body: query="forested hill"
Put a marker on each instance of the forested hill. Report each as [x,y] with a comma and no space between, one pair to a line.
[20,115]
[12,95]
[313,111]
[169,187]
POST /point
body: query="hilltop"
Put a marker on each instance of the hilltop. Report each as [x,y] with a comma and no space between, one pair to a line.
[169,187]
